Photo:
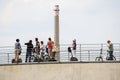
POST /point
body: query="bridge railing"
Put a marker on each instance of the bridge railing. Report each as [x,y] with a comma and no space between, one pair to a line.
[84,52]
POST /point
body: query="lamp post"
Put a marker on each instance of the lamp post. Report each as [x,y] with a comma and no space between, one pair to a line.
[56,30]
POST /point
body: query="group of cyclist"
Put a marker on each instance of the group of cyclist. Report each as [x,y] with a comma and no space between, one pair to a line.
[40,49]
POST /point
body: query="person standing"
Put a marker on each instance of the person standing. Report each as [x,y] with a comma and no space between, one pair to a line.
[53,50]
[74,48]
[17,49]
[49,46]
[37,47]
[110,49]
[42,49]
[29,51]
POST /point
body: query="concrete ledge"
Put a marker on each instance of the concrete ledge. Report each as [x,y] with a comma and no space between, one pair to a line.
[72,62]
[61,71]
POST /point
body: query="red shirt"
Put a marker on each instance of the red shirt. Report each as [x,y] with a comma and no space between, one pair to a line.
[49,45]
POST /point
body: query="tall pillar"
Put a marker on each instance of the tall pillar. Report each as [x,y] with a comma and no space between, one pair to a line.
[56,30]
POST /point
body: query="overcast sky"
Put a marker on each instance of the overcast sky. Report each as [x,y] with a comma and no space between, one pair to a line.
[87,21]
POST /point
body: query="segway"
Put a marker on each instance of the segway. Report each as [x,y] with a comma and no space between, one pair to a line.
[72,58]
[19,60]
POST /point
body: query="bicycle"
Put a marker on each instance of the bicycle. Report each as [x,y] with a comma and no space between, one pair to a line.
[100,57]
[35,57]
[43,57]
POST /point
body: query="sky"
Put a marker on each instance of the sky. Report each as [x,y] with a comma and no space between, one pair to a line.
[87,21]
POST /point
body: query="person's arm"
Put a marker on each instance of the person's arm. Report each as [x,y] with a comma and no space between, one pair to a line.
[73,45]
[20,46]
[108,46]
[47,44]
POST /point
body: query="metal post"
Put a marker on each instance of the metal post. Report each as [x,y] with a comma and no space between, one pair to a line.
[88,55]
[119,52]
[68,56]
[8,57]
[102,46]
[80,53]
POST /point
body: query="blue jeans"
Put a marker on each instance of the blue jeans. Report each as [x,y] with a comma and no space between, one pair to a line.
[110,55]
[28,56]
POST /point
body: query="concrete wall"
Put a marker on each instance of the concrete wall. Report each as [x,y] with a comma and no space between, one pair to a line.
[70,71]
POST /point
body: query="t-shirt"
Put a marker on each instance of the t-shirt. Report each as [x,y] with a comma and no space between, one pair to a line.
[29,47]
[54,48]
[42,48]
[74,46]
[17,45]
[110,47]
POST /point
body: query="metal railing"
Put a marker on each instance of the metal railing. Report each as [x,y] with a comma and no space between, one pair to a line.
[84,52]
[88,52]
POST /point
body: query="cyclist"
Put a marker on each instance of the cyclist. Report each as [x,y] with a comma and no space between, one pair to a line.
[42,49]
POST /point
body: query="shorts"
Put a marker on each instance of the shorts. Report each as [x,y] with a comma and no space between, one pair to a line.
[18,51]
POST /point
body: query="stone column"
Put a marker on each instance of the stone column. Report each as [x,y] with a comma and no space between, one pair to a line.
[56,30]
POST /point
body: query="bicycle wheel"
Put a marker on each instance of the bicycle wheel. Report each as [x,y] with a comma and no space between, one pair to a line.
[107,58]
[114,58]
[99,59]
[46,58]
[32,58]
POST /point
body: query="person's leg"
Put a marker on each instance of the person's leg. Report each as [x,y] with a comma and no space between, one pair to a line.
[74,53]
[49,53]
[30,57]
[16,55]
[53,54]
[18,52]
[111,55]
[26,57]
